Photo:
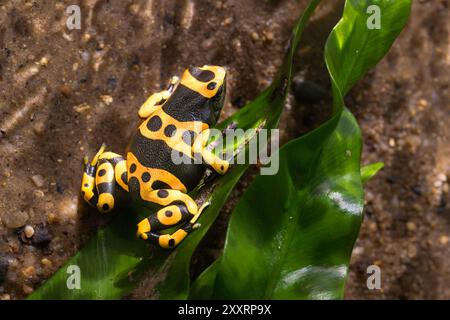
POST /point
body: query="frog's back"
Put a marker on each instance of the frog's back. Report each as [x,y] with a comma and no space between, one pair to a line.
[163,140]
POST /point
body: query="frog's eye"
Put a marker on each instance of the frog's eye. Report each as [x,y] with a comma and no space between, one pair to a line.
[202,75]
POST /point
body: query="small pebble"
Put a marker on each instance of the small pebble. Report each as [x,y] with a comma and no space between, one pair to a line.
[269,35]
[438,183]
[14,219]
[65,90]
[29,272]
[46,262]
[39,128]
[423,103]
[411,226]
[44,61]
[106,99]
[391,142]
[38,180]
[444,240]
[38,194]
[82,108]
[133,8]
[85,37]
[28,231]
[67,37]
[227,21]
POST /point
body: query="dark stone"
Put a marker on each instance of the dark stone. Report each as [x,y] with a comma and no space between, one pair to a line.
[417,189]
[3,268]
[134,61]
[42,236]
[307,91]
[60,188]
[441,208]
[238,102]
[391,179]
[83,80]
[111,83]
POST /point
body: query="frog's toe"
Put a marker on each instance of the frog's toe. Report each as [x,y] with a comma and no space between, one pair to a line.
[85,162]
[142,228]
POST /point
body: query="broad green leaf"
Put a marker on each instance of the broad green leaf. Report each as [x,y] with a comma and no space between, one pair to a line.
[291,234]
[113,262]
[369,171]
[352,48]
[291,238]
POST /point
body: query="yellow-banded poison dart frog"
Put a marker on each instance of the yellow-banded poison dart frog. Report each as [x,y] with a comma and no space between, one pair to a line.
[176,122]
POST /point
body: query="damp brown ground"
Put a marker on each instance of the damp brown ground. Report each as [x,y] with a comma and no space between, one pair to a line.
[64,92]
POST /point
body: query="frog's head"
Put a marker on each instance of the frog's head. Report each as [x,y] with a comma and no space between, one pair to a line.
[210,83]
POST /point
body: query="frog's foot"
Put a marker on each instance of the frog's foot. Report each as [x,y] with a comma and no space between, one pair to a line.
[88,191]
[184,214]
[98,186]
[157,99]
[231,126]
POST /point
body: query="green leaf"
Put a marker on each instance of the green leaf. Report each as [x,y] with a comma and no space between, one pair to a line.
[113,262]
[352,48]
[203,286]
[291,238]
[369,171]
[291,235]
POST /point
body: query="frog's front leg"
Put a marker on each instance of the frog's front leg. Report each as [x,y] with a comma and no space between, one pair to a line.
[199,147]
[178,209]
[103,179]
[157,99]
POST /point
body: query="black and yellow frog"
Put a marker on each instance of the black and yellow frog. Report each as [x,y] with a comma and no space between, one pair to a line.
[177,122]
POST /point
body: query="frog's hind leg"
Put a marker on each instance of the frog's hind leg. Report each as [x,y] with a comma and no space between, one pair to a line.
[105,170]
[172,240]
[179,209]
